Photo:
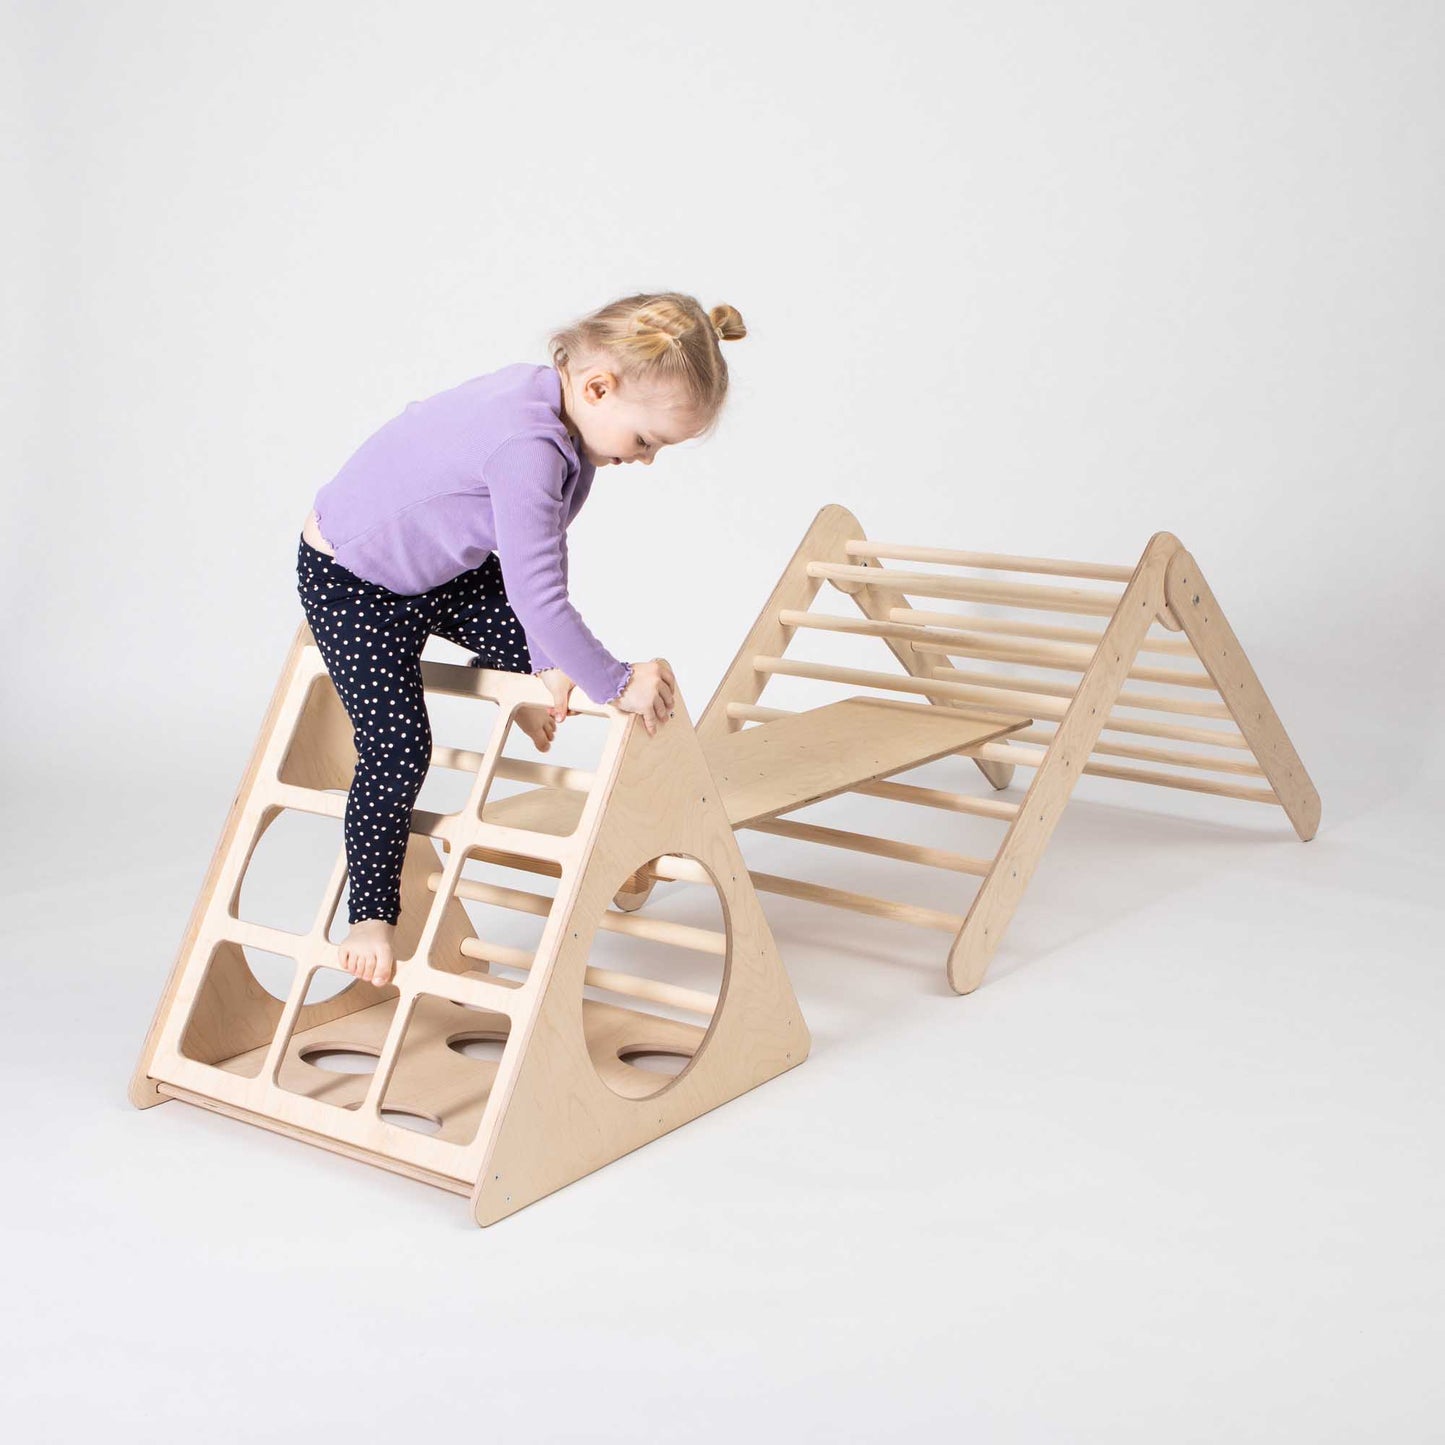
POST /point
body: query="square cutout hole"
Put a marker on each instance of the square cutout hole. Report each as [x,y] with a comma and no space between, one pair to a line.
[285,880]
[544,792]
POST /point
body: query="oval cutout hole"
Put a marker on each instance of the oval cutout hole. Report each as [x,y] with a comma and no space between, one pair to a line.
[405,1119]
[486,1047]
[340,1061]
[655,1061]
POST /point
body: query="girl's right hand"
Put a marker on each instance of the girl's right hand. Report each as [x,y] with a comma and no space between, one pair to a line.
[649,693]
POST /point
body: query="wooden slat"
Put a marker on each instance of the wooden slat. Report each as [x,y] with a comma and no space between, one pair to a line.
[1174,758]
[989,703]
[953,643]
[1004,594]
[859,902]
[681,935]
[879,847]
[1147,702]
[1042,566]
[996,808]
[1017,627]
[1023,757]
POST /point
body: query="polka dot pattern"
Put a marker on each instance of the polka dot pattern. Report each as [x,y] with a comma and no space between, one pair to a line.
[371,640]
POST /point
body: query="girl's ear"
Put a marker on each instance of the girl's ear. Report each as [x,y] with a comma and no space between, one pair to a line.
[599,383]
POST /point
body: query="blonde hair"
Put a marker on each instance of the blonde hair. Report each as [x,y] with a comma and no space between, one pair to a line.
[662,338]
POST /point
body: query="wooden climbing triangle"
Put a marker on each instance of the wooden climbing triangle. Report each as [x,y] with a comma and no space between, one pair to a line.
[1050,663]
[564,1094]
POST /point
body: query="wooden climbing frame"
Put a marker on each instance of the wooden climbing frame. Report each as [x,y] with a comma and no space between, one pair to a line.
[564,1097]
[1150,622]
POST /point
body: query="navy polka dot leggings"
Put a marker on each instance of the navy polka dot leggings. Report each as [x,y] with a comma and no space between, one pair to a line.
[371,640]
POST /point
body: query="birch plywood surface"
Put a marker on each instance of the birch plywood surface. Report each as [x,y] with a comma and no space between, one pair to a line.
[767,770]
[564,1095]
[781,765]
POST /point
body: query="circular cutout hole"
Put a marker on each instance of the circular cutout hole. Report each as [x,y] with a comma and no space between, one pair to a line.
[487,1047]
[655,1061]
[652,1020]
[340,1060]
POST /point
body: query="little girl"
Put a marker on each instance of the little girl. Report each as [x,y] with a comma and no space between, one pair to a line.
[454,514]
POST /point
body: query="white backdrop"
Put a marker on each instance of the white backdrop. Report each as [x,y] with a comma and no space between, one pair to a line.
[1038,278]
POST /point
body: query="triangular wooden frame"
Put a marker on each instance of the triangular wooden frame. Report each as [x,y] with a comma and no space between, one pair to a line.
[562,1101]
[1164,591]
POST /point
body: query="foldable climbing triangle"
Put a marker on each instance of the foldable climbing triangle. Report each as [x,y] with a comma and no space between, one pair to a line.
[563,1099]
[1014,667]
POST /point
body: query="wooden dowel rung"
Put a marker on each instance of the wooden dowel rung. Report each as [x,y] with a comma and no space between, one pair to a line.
[1019,757]
[1000,594]
[951,642]
[517,899]
[858,902]
[657,930]
[488,952]
[679,870]
[880,847]
[1057,660]
[671,994]
[1042,566]
[892,681]
[1011,627]
[1054,709]
[994,808]
[653,990]
[1151,702]
[1151,755]
[1031,758]
[1191,785]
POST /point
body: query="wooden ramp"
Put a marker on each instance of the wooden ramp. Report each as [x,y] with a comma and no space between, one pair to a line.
[799,759]
[562,1093]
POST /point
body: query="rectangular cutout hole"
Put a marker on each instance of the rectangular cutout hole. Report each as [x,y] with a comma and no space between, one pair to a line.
[237,1008]
[542,803]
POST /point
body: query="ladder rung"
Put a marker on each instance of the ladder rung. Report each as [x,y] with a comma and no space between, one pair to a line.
[1003,594]
[881,847]
[657,930]
[999,562]
[859,902]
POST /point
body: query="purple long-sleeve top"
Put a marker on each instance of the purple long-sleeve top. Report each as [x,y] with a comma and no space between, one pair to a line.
[487,466]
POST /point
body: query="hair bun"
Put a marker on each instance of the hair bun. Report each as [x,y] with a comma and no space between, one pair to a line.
[727,323]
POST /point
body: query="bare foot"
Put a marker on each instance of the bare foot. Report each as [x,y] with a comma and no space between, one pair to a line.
[367,950]
[538,724]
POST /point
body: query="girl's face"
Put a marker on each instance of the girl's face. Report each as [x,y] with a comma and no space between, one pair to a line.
[617,426]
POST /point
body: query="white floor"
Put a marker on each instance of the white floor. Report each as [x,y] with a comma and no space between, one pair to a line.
[1173,1174]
